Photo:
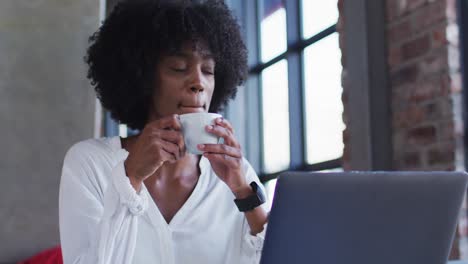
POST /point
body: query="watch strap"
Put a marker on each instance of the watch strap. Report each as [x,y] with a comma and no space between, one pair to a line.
[252,201]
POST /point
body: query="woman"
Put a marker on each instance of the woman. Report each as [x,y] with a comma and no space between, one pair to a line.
[144,199]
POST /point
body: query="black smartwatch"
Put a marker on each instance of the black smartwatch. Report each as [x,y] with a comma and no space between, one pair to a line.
[251,202]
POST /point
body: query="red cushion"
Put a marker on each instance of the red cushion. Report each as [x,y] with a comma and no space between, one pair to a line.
[49,256]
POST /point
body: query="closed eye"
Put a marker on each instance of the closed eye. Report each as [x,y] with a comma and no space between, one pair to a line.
[179,69]
[208,70]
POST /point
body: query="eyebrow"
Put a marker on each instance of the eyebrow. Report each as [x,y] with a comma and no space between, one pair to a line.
[205,55]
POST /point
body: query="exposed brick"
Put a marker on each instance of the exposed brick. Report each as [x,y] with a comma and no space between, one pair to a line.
[341,18]
[416,47]
[434,63]
[399,31]
[391,10]
[412,159]
[430,15]
[345,135]
[394,57]
[407,74]
[433,110]
[445,84]
[441,154]
[440,167]
[407,117]
[340,5]
[424,90]
[414,4]
[439,37]
[446,131]
[399,139]
[401,6]
[438,110]
[400,97]
[422,135]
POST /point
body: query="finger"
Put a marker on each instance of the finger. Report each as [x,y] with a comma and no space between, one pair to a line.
[167,157]
[214,157]
[223,132]
[170,148]
[220,149]
[175,137]
[220,121]
[168,122]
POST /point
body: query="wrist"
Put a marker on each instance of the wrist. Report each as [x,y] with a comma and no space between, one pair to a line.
[247,202]
[242,191]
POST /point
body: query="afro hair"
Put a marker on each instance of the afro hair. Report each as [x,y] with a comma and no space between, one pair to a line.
[124,52]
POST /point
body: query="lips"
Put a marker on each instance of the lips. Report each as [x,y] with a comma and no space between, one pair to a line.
[192,108]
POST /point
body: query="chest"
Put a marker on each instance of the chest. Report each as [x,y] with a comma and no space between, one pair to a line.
[206,233]
[170,199]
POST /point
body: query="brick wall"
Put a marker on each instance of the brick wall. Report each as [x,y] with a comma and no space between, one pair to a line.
[421,84]
[423,72]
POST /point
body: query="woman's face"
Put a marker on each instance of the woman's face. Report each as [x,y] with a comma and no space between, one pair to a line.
[185,82]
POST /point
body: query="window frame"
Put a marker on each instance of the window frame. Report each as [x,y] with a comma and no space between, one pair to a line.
[296,44]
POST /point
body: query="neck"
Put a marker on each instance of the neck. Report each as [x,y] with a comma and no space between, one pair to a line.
[184,168]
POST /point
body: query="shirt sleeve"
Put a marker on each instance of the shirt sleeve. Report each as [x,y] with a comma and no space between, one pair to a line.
[98,220]
[252,245]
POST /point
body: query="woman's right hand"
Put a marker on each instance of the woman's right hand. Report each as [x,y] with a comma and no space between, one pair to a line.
[160,141]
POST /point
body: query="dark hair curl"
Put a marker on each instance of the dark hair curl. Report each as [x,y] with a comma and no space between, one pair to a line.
[123,53]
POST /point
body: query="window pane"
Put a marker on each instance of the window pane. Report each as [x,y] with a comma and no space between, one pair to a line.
[275,117]
[273,28]
[324,108]
[318,15]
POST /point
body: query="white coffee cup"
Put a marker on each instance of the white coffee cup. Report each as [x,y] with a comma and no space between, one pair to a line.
[194,131]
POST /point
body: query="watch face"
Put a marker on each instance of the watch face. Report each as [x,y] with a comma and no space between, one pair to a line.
[258,191]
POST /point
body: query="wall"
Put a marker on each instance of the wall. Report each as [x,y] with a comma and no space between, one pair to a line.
[46,104]
[422,103]
[423,61]
[423,72]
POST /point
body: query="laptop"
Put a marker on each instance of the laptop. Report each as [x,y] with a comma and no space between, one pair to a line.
[364,217]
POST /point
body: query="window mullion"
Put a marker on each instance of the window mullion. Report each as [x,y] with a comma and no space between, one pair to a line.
[253,148]
[295,84]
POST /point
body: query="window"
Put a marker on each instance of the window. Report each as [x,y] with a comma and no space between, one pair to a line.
[319,83]
[295,83]
[275,117]
[323,105]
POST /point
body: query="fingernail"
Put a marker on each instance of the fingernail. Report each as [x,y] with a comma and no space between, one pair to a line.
[201,146]
[220,120]
[209,127]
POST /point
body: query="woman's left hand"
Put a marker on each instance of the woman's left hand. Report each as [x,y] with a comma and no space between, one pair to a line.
[225,159]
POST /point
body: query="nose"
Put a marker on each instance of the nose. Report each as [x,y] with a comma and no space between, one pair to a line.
[196,81]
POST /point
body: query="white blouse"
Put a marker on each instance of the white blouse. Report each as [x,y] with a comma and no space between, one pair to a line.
[103,220]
